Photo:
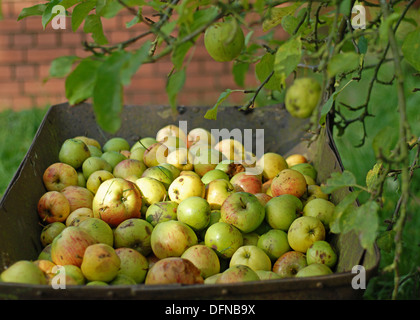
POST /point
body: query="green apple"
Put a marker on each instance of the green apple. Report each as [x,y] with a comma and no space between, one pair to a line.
[181,159]
[116,144]
[224,238]
[161,211]
[23,271]
[92,164]
[251,256]
[305,169]
[195,212]
[304,231]
[321,209]
[95,151]
[217,191]
[204,258]
[302,97]
[243,210]
[289,181]
[137,153]
[213,175]
[321,252]
[314,270]
[73,152]
[78,215]
[212,279]
[171,238]
[143,143]
[295,158]
[50,231]
[99,230]
[267,275]
[224,40]
[100,263]
[171,130]
[282,210]
[134,233]
[274,243]
[133,264]
[129,168]
[122,279]
[238,273]
[186,186]
[232,149]
[271,164]
[205,158]
[113,157]
[81,180]
[89,141]
[152,190]
[174,170]
[289,264]
[96,179]
[161,174]
[155,154]
[250,238]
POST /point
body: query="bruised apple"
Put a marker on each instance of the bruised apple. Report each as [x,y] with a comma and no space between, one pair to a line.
[173,270]
[53,206]
[289,264]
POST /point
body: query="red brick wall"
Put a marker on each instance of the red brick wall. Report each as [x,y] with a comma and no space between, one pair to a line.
[26,51]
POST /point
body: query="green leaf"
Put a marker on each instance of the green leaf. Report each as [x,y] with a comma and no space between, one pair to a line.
[93,24]
[174,85]
[362,44]
[264,68]
[211,114]
[386,240]
[347,203]
[36,10]
[386,25]
[289,23]
[339,180]
[411,48]
[80,82]
[239,71]
[367,223]
[287,58]
[385,141]
[47,15]
[80,13]
[343,62]
[108,91]
[61,66]
[275,15]
[179,53]
[134,63]
[108,8]
[372,177]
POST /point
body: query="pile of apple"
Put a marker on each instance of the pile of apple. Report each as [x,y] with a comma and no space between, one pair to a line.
[177,208]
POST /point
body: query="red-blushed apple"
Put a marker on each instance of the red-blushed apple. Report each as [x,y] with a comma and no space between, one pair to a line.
[129,167]
[171,238]
[155,155]
[243,210]
[96,179]
[161,211]
[251,256]
[58,176]
[238,273]
[152,190]
[295,159]
[117,200]
[214,175]
[160,173]
[134,233]
[314,270]
[289,264]
[181,159]
[282,210]
[171,130]
[53,206]
[92,164]
[304,231]
[321,252]
[70,245]
[266,186]
[74,152]
[133,264]
[271,164]
[243,181]
[98,229]
[116,144]
[263,198]
[50,231]
[289,181]
[186,186]
[217,191]
[274,243]
[223,238]
[100,263]
[204,258]
[194,212]
[232,149]
[78,216]
[173,270]
[198,136]
[78,197]
[321,209]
